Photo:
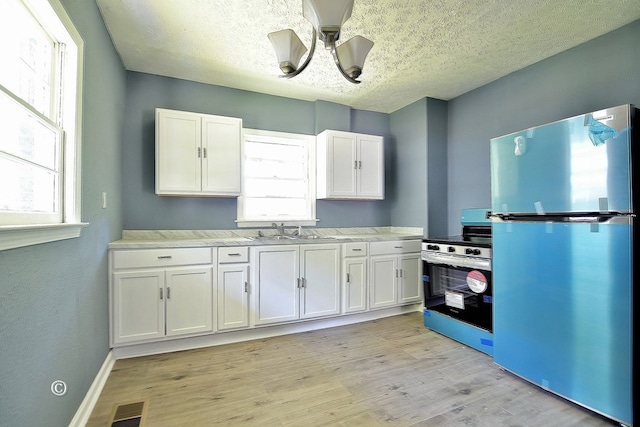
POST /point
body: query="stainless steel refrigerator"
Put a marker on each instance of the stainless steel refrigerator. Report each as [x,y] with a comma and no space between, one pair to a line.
[563,245]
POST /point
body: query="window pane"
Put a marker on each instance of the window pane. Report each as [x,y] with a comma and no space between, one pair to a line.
[287,153]
[27,188]
[27,56]
[265,208]
[274,188]
[27,137]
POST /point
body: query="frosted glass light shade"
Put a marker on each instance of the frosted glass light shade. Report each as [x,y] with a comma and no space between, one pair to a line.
[289,49]
[327,13]
[352,54]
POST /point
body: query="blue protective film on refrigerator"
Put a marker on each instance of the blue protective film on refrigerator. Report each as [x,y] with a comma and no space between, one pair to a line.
[563,309]
[598,132]
[573,165]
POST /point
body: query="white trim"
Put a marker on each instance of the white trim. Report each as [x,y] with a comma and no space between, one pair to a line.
[85,409]
[16,236]
[261,332]
[63,29]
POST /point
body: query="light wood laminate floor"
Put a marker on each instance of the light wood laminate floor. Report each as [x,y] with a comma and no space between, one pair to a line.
[388,372]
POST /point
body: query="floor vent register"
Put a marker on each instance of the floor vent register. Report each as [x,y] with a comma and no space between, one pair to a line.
[129,415]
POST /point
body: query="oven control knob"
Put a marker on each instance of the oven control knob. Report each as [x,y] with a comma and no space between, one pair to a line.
[433,247]
[451,249]
[468,251]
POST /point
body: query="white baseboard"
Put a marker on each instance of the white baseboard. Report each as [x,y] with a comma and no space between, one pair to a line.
[83,413]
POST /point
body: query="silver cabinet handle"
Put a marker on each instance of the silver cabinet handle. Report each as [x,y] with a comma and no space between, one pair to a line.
[199,152]
[235,254]
[160,293]
[355,164]
[348,278]
[204,152]
[396,272]
[400,272]
[359,164]
[164,257]
[168,293]
[304,282]
[397,247]
[298,283]
[356,250]
[246,287]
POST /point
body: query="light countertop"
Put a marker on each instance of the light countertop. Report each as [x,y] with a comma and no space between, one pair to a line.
[138,239]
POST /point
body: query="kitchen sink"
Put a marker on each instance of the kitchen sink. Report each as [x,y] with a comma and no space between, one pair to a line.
[293,237]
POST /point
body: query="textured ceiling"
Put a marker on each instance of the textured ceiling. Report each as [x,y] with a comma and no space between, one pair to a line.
[423,48]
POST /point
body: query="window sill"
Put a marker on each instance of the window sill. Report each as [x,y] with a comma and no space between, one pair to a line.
[16,236]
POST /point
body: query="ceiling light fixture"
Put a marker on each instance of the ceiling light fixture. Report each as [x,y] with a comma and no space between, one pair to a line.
[327,18]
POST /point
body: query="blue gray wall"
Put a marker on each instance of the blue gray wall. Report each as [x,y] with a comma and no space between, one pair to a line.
[598,74]
[418,172]
[145,92]
[53,296]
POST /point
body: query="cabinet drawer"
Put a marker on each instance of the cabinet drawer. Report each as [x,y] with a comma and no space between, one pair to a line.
[395,247]
[233,254]
[137,258]
[355,249]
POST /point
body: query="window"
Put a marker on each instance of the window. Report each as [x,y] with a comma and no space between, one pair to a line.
[278,179]
[40,84]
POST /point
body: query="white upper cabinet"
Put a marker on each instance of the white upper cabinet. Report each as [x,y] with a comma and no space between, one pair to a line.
[197,154]
[350,166]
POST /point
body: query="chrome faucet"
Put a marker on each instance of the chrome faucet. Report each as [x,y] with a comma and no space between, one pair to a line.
[280,228]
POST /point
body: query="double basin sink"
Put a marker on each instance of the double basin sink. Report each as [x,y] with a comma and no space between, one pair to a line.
[293,237]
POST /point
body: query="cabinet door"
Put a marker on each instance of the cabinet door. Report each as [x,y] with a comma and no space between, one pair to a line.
[233,296]
[370,167]
[341,164]
[138,306]
[178,151]
[221,155]
[410,285]
[355,285]
[189,300]
[320,280]
[383,281]
[276,276]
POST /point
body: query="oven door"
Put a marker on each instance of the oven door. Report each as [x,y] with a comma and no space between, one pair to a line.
[459,287]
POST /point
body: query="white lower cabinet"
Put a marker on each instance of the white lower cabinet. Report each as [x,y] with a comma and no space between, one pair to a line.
[233,288]
[188,301]
[161,294]
[395,273]
[410,281]
[138,311]
[295,282]
[151,299]
[354,277]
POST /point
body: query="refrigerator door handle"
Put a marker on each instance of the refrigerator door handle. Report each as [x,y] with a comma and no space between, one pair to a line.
[570,217]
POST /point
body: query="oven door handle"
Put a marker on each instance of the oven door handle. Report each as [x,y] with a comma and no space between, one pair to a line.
[457,260]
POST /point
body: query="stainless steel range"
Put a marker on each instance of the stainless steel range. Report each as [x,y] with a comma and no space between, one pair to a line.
[458,282]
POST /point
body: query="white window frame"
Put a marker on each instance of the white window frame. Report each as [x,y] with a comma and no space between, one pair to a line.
[53,17]
[310,141]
